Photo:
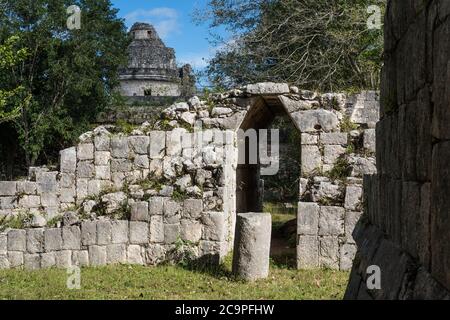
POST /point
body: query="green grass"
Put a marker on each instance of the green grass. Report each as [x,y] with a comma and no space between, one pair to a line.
[172,282]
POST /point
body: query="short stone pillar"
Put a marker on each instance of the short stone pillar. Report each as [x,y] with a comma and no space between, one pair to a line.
[252,245]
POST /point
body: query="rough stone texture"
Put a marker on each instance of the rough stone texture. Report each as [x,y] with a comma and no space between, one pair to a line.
[307,218]
[71,238]
[331,221]
[139,232]
[311,159]
[88,233]
[139,211]
[53,239]
[116,253]
[252,246]
[32,261]
[97,255]
[35,240]
[17,240]
[119,232]
[156,229]
[134,255]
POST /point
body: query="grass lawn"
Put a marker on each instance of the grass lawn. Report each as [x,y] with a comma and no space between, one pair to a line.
[172,282]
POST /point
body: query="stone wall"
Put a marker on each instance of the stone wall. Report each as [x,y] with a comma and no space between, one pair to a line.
[175,179]
[405,229]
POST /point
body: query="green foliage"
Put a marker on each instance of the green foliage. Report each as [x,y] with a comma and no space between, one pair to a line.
[316,44]
[68,75]
[19,221]
[341,169]
[54,222]
[179,195]
[347,124]
[124,126]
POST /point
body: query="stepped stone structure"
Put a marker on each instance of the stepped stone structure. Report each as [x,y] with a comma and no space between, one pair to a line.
[171,189]
[405,230]
[152,69]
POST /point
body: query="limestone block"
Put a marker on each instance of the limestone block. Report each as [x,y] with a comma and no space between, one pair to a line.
[82,189]
[134,255]
[173,141]
[308,138]
[63,259]
[329,252]
[156,206]
[32,261]
[3,243]
[142,162]
[331,221]
[88,233]
[327,191]
[336,138]
[172,211]
[114,201]
[38,220]
[102,158]
[369,140]
[307,218]
[121,165]
[8,188]
[252,246]
[102,142]
[103,172]
[48,260]
[139,144]
[267,88]
[191,231]
[15,259]
[155,254]
[28,202]
[192,208]
[362,166]
[307,252]
[35,240]
[188,117]
[139,211]
[49,199]
[86,169]
[97,256]
[171,233]
[332,153]
[139,232]
[353,198]
[26,187]
[68,195]
[347,254]
[156,168]
[315,120]
[214,226]
[53,239]
[104,232]
[119,231]
[46,182]
[157,144]
[220,111]
[156,229]
[70,218]
[71,238]
[294,105]
[85,151]
[4,263]
[17,240]
[116,253]
[311,159]
[80,258]
[119,147]
[351,219]
[68,160]
[8,203]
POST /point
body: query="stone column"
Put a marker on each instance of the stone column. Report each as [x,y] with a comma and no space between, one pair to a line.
[252,245]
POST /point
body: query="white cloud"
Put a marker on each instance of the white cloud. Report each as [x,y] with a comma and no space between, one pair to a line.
[165,20]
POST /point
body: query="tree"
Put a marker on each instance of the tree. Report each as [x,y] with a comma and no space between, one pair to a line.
[69,75]
[317,44]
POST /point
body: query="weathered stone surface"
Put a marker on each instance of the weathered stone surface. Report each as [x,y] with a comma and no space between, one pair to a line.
[139,232]
[8,203]
[15,259]
[171,233]
[63,259]
[26,187]
[369,140]
[311,159]
[102,142]
[80,258]
[139,211]
[353,198]
[156,206]
[252,246]
[192,208]
[332,153]
[331,221]
[35,240]
[68,160]
[8,188]
[347,253]
[28,202]
[17,240]
[172,211]
[46,182]
[85,169]
[329,252]
[315,120]
[308,138]
[119,232]
[267,88]
[97,255]
[139,144]
[336,138]
[49,200]
[119,147]
[307,218]
[88,233]
[32,261]
[104,232]
[156,229]
[71,238]
[4,263]
[191,231]
[157,144]
[351,219]
[85,152]
[134,255]
[214,226]
[48,260]
[3,244]
[116,253]
[155,254]
[53,239]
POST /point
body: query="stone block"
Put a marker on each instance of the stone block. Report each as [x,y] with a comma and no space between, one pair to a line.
[119,147]
[311,159]
[347,254]
[35,240]
[17,240]
[139,211]
[8,188]
[119,231]
[48,260]
[8,203]
[331,221]
[116,253]
[68,195]
[351,219]
[214,226]
[157,144]
[139,232]
[3,243]
[308,138]
[88,233]
[103,172]
[307,252]
[102,158]
[134,255]
[80,258]
[82,189]
[353,198]
[155,254]
[156,206]
[104,232]
[32,261]
[26,187]
[172,211]
[85,152]
[171,233]
[49,200]
[68,160]
[336,138]
[71,238]
[369,140]
[191,231]
[53,239]
[156,229]
[15,259]
[4,263]
[141,162]
[192,208]
[332,153]
[86,169]
[267,88]
[102,142]
[46,182]
[120,165]
[97,256]
[29,202]
[139,144]
[307,218]
[315,121]
[173,142]
[63,259]
[329,252]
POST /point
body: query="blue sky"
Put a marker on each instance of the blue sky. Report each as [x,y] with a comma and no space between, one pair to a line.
[173,21]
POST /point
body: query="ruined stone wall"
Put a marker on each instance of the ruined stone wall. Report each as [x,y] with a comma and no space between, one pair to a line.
[405,230]
[129,88]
